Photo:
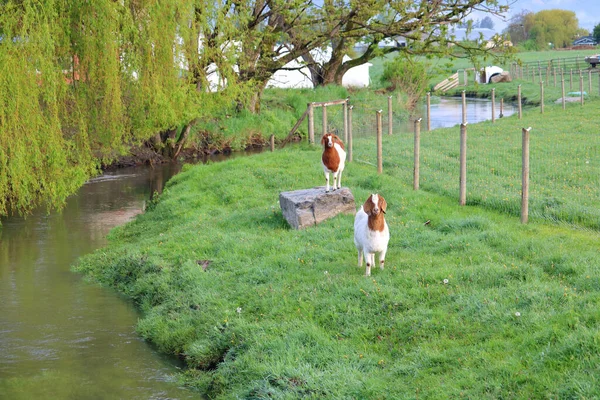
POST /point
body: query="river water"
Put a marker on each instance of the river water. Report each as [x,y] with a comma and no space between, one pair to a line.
[64,338]
[60,336]
[448,112]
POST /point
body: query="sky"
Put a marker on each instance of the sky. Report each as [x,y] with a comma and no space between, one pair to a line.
[587,11]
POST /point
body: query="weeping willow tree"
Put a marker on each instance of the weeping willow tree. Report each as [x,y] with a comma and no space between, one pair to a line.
[83,80]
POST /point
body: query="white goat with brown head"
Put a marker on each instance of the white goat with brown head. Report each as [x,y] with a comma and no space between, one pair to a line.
[371,232]
[333,158]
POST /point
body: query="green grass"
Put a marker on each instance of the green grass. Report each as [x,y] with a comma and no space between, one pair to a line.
[287,314]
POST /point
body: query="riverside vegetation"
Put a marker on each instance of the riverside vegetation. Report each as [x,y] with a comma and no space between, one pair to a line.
[472,304]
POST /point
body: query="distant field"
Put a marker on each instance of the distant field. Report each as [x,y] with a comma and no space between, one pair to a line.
[442,68]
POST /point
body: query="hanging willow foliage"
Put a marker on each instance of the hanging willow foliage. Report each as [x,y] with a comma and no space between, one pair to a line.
[83,80]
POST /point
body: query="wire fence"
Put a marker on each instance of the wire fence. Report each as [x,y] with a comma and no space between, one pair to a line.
[565,163]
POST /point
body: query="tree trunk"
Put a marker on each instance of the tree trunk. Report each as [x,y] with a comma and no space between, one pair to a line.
[185,133]
[254,103]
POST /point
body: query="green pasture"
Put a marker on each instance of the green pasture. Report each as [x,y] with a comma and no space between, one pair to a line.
[440,69]
[472,303]
[564,163]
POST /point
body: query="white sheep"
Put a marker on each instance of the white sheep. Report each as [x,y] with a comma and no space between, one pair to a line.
[333,159]
[371,232]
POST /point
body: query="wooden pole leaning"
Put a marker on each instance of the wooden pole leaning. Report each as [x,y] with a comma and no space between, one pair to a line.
[525,177]
[462,195]
[417,150]
[379,143]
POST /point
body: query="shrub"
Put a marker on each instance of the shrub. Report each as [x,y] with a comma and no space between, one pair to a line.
[406,75]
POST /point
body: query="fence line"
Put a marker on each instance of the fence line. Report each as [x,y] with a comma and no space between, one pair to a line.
[494,159]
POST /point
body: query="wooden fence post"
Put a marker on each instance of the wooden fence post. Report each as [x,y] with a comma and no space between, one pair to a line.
[389,115]
[520,106]
[581,86]
[350,133]
[464,107]
[590,82]
[554,74]
[311,124]
[417,150]
[272,142]
[542,96]
[462,196]
[324,119]
[345,106]
[571,80]
[501,108]
[428,111]
[564,100]
[379,143]
[525,178]
[493,105]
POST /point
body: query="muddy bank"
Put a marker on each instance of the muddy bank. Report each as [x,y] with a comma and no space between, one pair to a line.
[195,152]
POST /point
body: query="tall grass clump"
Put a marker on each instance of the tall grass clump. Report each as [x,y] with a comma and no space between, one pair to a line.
[471,303]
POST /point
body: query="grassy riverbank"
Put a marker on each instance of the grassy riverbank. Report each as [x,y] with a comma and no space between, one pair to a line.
[472,304]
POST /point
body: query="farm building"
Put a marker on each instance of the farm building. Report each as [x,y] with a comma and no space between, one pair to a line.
[585,41]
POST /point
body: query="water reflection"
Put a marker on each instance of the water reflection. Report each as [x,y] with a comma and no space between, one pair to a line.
[448,112]
[61,337]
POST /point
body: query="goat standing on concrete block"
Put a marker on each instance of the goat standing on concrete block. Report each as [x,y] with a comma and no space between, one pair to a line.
[334,159]
[371,232]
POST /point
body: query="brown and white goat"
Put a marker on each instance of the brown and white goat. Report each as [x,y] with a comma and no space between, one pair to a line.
[333,158]
[371,232]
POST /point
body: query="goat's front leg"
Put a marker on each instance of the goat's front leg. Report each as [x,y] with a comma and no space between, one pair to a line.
[335,184]
[382,258]
[327,181]
[369,260]
[339,182]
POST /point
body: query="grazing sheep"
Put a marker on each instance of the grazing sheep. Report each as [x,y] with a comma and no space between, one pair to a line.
[334,159]
[371,232]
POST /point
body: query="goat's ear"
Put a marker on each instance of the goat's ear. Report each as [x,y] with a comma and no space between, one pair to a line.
[368,206]
[323,139]
[382,204]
